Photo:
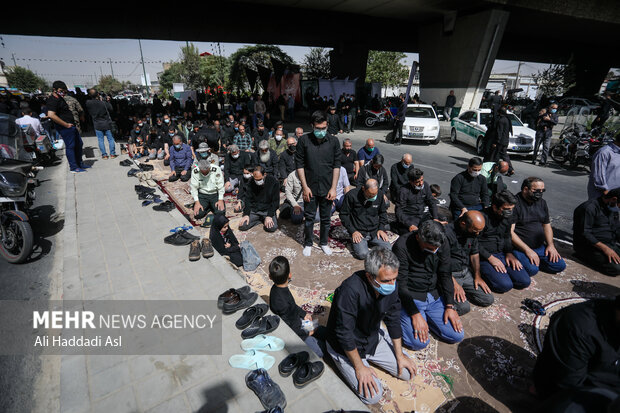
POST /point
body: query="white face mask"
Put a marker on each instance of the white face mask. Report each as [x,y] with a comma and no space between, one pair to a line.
[474,173]
[247,176]
[260,183]
[235,156]
[278,138]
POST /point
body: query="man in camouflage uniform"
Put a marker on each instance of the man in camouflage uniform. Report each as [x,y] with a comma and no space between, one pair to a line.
[76,109]
[207,189]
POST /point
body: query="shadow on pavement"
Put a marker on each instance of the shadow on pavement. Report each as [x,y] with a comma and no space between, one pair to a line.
[466,404]
[45,224]
[215,398]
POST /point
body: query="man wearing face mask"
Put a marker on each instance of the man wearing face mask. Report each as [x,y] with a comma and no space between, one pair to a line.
[354,335]
[399,120]
[375,170]
[605,169]
[462,236]
[426,288]
[368,152]
[277,142]
[262,199]
[318,166]
[349,160]
[259,134]
[596,232]
[499,267]
[228,132]
[207,189]
[155,145]
[532,234]
[546,125]
[493,172]
[286,164]
[412,199]
[266,158]
[468,189]
[235,163]
[501,137]
[398,175]
[136,141]
[334,122]
[202,152]
[180,160]
[364,215]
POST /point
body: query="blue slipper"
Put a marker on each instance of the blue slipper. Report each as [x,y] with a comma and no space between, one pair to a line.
[252,360]
[185,227]
[263,342]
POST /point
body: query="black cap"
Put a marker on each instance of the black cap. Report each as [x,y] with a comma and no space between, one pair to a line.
[59,84]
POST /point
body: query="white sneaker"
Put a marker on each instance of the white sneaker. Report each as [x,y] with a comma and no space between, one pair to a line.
[326,250]
[307,251]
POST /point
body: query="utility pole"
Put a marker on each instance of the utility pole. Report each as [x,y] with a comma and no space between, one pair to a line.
[146,82]
[111,67]
[517,78]
[14,62]
[101,70]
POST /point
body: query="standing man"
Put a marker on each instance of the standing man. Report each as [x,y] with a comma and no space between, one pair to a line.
[354,334]
[99,110]
[260,108]
[450,102]
[468,189]
[318,166]
[499,146]
[399,120]
[398,175]
[76,109]
[58,111]
[354,110]
[604,111]
[545,126]
[605,170]
[290,103]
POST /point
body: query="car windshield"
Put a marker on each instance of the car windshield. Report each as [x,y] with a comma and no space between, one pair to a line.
[514,120]
[486,118]
[420,113]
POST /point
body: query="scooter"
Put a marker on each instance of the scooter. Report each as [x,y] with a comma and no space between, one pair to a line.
[371,118]
[41,147]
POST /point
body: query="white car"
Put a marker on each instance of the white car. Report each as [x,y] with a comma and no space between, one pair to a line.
[471,126]
[421,124]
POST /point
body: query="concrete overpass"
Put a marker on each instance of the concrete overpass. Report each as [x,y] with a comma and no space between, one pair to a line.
[457,40]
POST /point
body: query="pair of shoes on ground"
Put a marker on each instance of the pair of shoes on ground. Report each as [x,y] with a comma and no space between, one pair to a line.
[197,248]
[268,392]
[303,371]
[254,322]
[231,293]
[307,251]
[126,162]
[180,237]
[165,206]
[233,300]
[254,357]
[146,167]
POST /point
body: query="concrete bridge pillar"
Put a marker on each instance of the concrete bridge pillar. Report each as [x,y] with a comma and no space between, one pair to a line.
[460,60]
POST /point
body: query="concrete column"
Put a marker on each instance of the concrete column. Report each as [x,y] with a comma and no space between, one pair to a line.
[349,60]
[460,60]
[591,67]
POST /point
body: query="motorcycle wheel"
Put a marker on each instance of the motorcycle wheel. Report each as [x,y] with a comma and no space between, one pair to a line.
[16,246]
[370,122]
[557,154]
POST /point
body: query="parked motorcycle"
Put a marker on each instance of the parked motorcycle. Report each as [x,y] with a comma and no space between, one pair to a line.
[17,184]
[372,118]
[577,146]
[40,147]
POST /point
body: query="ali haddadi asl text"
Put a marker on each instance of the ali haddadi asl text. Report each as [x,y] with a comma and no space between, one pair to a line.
[78,341]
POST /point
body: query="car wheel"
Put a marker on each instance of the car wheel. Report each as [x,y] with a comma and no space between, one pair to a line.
[436,141]
[453,135]
[480,146]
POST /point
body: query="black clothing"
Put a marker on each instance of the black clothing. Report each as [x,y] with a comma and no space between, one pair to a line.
[398,178]
[262,198]
[402,110]
[99,112]
[234,167]
[495,237]
[135,137]
[155,141]
[60,107]
[410,205]
[503,130]
[359,214]
[213,139]
[367,172]
[581,349]
[334,124]
[282,304]
[356,315]
[450,101]
[421,272]
[347,160]
[219,241]
[257,137]
[271,166]
[318,158]
[286,165]
[467,191]
[529,220]
[462,246]
[593,222]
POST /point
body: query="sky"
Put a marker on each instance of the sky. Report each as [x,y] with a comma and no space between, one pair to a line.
[126,54]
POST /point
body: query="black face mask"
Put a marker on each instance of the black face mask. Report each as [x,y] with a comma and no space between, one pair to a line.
[507,213]
[292,148]
[347,151]
[536,196]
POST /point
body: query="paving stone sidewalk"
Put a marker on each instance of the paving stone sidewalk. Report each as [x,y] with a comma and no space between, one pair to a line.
[114,250]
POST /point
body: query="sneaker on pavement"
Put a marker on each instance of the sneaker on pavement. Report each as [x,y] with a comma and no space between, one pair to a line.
[207,248]
[307,251]
[194,251]
[78,170]
[86,166]
[326,250]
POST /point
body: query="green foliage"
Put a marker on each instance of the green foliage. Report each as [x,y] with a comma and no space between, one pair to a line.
[195,71]
[171,75]
[214,70]
[24,79]
[190,67]
[386,68]
[249,57]
[109,85]
[316,64]
[555,80]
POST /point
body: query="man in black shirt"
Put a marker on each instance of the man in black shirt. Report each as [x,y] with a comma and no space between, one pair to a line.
[412,198]
[334,123]
[354,334]
[236,163]
[424,272]
[259,134]
[596,232]
[375,170]
[262,199]
[364,215]
[462,236]
[399,120]
[468,189]
[99,110]
[318,166]
[398,175]
[501,135]
[286,164]
[349,160]
[155,144]
[532,234]
[58,111]
[578,369]
[499,267]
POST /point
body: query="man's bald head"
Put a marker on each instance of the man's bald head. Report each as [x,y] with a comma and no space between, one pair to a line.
[502,167]
[370,143]
[371,188]
[472,222]
[407,158]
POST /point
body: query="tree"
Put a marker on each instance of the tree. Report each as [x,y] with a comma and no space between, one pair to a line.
[171,75]
[386,68]
[316,63]
[24,79]
[109,85]
[214,70]
[555,80]
[190,67]
[249,57]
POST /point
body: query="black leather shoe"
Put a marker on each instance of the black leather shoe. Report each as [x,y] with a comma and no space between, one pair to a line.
[178,239]
[307,373]
[230,293]
[164,206]
[262,325]
[291,362]
[144,189]
[146,167]
[239,302]
[187,235]
[251,314]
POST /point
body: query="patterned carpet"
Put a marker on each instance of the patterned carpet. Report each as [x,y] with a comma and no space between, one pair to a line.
[488,372]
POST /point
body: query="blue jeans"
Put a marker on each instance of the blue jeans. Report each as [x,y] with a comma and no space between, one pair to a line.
[500,282]
[432,310]
[73,145]
[111,143]
[361,249]
[545,265]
